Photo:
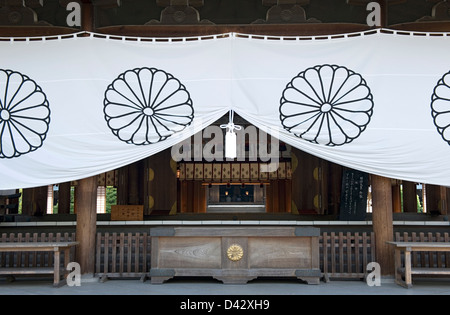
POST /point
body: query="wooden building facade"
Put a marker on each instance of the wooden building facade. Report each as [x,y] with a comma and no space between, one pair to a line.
[303,187]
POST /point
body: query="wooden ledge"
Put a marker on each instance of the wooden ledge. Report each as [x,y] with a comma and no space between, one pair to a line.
[35,31]
[428,26]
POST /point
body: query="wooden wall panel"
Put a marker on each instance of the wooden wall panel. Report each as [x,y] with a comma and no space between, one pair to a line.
[192,197]
[160,183]
[305,186]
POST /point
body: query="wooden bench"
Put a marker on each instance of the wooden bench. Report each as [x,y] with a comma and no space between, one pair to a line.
[55,247]
[408,270]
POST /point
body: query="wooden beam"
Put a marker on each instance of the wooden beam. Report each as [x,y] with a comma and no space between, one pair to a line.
[35,31]
[432,26]
[383,223]
[86,196]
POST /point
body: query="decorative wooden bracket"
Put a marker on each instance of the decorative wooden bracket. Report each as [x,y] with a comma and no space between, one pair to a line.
[20,12]
[286,11]
[440,11]
[180,12]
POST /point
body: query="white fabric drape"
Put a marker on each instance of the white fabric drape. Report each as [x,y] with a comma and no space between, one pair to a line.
[72,108]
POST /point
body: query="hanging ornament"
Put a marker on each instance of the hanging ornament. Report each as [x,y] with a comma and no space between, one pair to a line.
[230,137]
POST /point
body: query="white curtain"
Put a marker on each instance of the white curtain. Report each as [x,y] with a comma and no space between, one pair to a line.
[75,107]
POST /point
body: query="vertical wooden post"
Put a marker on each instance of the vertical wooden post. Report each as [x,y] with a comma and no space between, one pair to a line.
[34,201]
[396,197]
[447,200]
[64,198]
[86,196]
[334,187]
[133,184]
[161,185]
[384,4]
[87,16]
[383,223]
[305,185]
[436,199]
[122,188]
[27,201]
[409,197]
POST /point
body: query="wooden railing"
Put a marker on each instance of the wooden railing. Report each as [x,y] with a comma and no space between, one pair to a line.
[123,255]
[32,259]
[346,255]
[127,255]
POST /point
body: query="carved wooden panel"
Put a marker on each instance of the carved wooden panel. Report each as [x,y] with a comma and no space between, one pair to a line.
[283,252]
[193,252]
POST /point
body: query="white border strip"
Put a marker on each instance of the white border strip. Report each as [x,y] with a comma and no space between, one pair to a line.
[139,39]
[42,38]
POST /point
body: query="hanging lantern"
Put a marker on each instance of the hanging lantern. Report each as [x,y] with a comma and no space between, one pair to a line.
[230,138]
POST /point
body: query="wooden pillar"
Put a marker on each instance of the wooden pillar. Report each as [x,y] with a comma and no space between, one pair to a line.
[409,197]
[64,198]
[34,201]
[278,196]
[436,199]
[383,223]
[122,186]
[27,201]
[384,4]
[334,188]
[447,200]
[133,184]
[86,196]
[306,182]
[160,186]
[130,190]
[87,16]
[396,197]
[86,191]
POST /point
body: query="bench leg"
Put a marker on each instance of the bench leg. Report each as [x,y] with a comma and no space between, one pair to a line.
[398,268]
[57,263]
[398,265]
[408,276]
[66,261]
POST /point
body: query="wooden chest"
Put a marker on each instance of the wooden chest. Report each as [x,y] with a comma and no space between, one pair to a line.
[235,255]
[127,213]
